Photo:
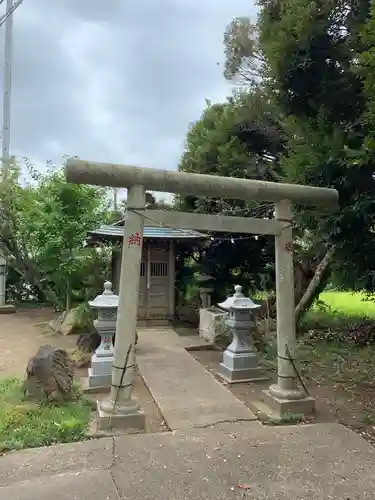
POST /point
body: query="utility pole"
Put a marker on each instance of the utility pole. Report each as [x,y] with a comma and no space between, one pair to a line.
[7,83]
[115,204]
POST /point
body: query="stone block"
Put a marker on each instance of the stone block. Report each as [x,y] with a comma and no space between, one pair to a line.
[239,367]
[100,373]
[101,381]
[85,385]
[304,406]
[132,421]
[241,375]
[211,323]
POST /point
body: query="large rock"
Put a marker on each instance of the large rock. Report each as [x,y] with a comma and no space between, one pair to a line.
[69,322]
[50,373]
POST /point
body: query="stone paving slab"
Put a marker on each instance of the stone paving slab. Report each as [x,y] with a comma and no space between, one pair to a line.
[31,464]
[193,342]
[316,462]
[187,394]
[92,485]
[307,462]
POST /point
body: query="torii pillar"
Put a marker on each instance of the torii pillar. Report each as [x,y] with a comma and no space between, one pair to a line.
[285,396]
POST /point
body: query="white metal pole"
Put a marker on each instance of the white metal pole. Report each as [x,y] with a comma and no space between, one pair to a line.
[7,83]
[8,50]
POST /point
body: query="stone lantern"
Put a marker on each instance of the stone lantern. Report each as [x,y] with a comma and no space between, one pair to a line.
[3,267]
[106,304]
[240,359]
[4,307]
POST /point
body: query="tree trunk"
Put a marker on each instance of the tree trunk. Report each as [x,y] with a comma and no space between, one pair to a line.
[68,299]
[304,272]
[315,284]
[18,249]
[88,342]
[31,275]
[27,270]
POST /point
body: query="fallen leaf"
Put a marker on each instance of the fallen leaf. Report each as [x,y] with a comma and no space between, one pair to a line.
[243,486]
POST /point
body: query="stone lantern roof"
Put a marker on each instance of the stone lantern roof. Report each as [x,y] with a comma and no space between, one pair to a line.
[238,301]
[107,300]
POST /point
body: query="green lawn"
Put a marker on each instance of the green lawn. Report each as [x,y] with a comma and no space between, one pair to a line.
[25,424]
[338,308]
[349,304]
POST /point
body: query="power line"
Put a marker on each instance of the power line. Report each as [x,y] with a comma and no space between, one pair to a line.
[10,11]
[209,235]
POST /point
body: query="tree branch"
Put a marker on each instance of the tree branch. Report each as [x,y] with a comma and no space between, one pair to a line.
[310,293]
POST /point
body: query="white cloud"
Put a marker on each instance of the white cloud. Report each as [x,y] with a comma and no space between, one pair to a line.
[115,81]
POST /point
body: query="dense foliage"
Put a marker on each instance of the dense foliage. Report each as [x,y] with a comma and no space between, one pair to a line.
[44,226]
[313,52]
[305,114]
[243,138]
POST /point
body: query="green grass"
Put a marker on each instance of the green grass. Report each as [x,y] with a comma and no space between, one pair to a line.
[26,424]
[350,304]
[341,361]
[336,309]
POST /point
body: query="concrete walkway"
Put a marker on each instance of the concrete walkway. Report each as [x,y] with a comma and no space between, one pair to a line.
[316,462]
[202,458]
[187,395]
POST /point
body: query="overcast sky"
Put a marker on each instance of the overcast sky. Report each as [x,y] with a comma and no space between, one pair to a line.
[115,80]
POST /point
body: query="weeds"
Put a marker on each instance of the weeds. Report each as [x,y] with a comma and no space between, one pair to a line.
[26,424]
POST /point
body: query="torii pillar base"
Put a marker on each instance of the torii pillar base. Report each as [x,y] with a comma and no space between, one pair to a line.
[281,407]
[129,418]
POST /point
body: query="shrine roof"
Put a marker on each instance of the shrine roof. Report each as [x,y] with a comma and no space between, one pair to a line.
[116,231]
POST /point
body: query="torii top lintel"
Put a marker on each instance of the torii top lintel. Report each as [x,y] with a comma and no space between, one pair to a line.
[168,181]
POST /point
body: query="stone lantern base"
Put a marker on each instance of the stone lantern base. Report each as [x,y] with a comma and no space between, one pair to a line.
[100,373]
[240,367]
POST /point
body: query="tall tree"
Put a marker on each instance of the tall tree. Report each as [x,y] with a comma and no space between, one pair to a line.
[312,51]
[43,231]
[317,70]
[239,138]
[244,60]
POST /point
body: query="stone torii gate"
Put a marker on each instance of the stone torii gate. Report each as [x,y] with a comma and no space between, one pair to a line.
[121,408]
